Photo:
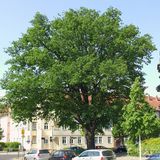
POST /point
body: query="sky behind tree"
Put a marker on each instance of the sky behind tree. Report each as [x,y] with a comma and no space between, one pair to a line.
[16,15]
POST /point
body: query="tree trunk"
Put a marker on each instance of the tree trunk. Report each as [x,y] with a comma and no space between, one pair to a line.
[90,135]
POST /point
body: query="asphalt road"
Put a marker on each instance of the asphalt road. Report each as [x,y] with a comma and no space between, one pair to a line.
[10,155]
[18,156]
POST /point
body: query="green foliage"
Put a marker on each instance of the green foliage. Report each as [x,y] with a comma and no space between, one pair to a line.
[150,146]
[58,65]
[12,146]
[132,149]
[2,145]
[139,117]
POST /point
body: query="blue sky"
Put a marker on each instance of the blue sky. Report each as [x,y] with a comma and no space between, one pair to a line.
[16,15]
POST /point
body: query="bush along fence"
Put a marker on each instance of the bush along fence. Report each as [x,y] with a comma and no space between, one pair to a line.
[9,146]
[149,146]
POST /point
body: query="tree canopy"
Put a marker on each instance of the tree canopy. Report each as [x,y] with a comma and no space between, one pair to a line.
[139,117]
[77,69]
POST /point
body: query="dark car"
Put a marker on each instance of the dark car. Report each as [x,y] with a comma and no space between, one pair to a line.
[120,149]
[77,150]
[62,155]
[153,157]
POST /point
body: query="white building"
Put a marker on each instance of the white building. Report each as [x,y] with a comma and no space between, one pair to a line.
[43,134]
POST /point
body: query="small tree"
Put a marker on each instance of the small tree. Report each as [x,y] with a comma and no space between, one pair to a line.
[139,117]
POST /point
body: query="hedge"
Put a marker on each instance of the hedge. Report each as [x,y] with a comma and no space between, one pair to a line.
[9,146]
[151,146]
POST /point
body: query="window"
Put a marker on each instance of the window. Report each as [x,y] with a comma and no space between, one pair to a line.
[64,140]
[61,153]
[93,153]
[79,140]
[71,140]
[33,152]
[56,154]
[107,153]
[34,126]
[34,140]
[84,154]
[43,151]
[45,125]
[98,140]
[46,141]
[109,140]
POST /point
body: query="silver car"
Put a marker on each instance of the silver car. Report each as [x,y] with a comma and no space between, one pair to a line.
[37,154]
[96,154]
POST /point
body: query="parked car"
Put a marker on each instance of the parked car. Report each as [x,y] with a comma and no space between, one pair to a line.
[153,157]
[77,150]
[96,154]
[120,149]
[37,154]
[62,155]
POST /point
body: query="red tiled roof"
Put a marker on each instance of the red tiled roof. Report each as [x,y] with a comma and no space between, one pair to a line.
[153,101]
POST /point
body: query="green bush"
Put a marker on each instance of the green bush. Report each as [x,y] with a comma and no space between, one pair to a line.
[132,149]
[12,146]
[5,149]
[2,145]
[151,146]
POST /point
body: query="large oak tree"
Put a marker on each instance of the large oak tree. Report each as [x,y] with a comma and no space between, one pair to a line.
[77,69]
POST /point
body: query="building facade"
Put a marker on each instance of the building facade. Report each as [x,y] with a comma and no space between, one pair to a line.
[43,134]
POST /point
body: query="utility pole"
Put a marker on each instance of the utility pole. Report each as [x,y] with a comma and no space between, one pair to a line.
[140,148]
[22,133]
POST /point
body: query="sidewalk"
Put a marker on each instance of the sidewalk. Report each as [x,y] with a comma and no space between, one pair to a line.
[129,158]
[17,155]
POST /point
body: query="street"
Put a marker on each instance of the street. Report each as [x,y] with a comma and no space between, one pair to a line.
[18,156]
[10,155]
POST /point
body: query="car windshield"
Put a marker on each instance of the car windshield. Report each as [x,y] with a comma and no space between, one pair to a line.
[84,154]
[43,151]
[107,153]
[33,152]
